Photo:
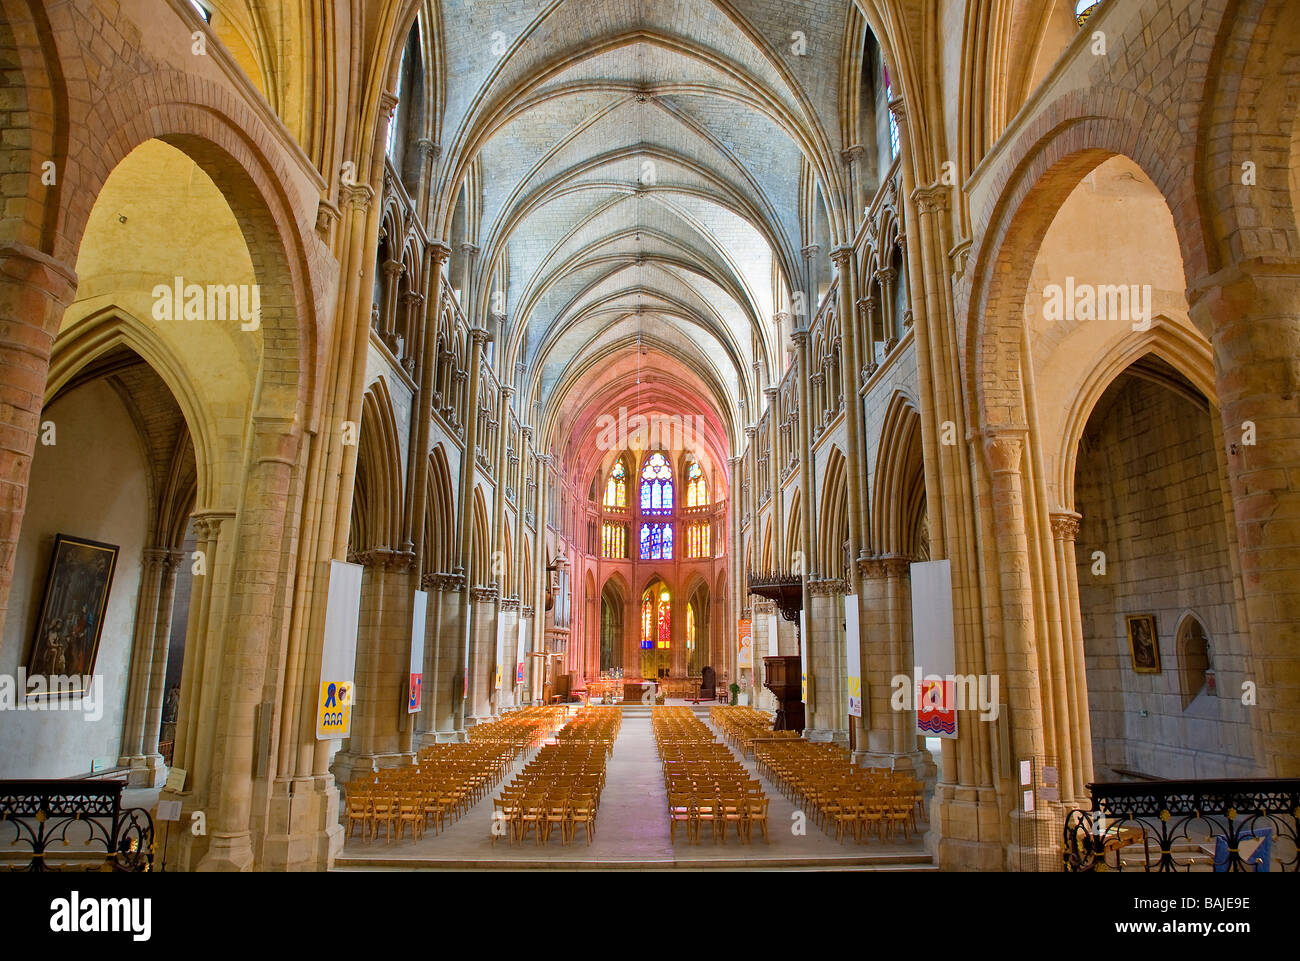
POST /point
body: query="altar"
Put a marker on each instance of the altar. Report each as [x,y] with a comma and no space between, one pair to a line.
[634,691]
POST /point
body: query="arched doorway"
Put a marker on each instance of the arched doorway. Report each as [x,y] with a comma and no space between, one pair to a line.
[611,629]
[656,630]
[698,648]
[1153,543]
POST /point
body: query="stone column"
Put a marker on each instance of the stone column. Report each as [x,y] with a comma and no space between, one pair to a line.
[383,659]
[536,670]
[887,276]
[482,656]
[393,272]
[470,252]
[826,711]
[1065,529]
[465,509]
[870,307]
[35,290]
[154,621]
[858,537]
[810,280]
[854,157]
[756,539]
[201,674]
[411,302]
[1252,311]
[262,522]
[773,395]
[146,613]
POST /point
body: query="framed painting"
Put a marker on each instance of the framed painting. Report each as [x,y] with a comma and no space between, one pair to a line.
[72,610]
[1143,644]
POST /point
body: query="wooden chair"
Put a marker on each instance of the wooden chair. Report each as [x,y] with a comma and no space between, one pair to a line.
[359,813]
[383,811]
[732,809]
[582,810]
[756,813]
[706,810]
[532,815]
[847,818]
[410,812]
[681,810]
[557,814]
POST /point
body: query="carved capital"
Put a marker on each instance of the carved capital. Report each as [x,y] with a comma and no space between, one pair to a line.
[441,252]
[356,196]
[933,198]
[1003,450]
[842,255]
[827,587]
[883,567]
[1065,525]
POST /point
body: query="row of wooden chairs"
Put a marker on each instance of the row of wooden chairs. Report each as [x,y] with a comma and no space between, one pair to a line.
[705,784]
[560,786]
[741,726]
[822,780]
[446,779]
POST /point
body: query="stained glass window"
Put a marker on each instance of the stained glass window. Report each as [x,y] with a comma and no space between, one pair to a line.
[697,540]
[656,542]
[656,618]
[657,484]
[893,120]
[697,489]
[613,540]
[616,486]
[647,621]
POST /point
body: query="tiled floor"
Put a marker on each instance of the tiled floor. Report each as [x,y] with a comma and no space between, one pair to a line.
[632,832]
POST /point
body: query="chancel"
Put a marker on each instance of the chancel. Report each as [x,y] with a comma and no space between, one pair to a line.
[691,433]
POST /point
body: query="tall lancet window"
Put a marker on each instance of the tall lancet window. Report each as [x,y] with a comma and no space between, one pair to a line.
[697,488]
[616,487]
[657,484]
[893,120]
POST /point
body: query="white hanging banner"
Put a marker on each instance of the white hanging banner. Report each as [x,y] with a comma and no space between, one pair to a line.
[519,650]
[853,654]
[771,635]
[934,648]
[501,653]
[339,652]
[415,687]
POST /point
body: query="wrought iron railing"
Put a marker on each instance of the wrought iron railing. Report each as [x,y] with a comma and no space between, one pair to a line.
[72,825]
[1167,826]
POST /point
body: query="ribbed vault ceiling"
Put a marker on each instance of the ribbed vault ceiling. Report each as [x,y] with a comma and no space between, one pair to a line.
[636,167]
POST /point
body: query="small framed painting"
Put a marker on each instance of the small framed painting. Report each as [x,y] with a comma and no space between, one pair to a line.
[1143,644]
[72,611]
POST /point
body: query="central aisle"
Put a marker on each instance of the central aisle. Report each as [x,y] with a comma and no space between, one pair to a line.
[632,831]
